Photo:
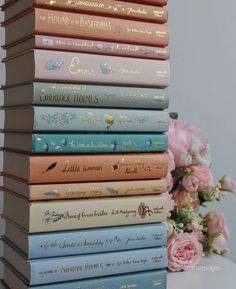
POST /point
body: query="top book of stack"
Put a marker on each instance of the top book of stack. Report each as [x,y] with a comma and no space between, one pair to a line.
[142,10]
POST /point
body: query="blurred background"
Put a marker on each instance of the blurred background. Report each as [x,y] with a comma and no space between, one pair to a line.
[203,86]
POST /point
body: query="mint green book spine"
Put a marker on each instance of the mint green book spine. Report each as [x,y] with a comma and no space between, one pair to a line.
[83,95]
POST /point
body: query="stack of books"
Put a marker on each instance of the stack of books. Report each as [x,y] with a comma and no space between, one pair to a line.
[85,156]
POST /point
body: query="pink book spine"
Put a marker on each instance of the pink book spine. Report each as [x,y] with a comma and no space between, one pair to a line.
[101,47]
[151,2]
[74,67]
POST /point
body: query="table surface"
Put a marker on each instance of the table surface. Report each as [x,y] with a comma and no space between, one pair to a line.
[214,272]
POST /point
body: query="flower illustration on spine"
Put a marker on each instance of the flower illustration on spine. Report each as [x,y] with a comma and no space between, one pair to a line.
[110,120]
[106,68]
[54,64]
[143,210]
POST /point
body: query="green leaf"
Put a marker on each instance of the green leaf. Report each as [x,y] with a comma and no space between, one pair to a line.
[174,115]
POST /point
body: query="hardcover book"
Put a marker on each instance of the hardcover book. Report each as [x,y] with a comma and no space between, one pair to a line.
[35,246]
[59,66]
[87,46]
[83,95]
[109,7]
[156,279]
[51,270]
[85,143]
[66,24]
[39,169]
[70,119]
[3,285]
[151,2]
[37,217]
[44,192]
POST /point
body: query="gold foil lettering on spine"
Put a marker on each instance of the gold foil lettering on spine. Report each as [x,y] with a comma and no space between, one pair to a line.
[95,24]
[159,98]
[74,68]
[161,73]
[157,282]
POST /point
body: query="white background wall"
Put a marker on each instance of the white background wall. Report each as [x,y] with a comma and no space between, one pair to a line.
[203,87]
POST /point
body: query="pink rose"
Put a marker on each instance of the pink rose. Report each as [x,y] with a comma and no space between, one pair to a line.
[181,137]
[219,244]
[171,161]
[228,184]
[185,199]
[169,181]
[216,224]
[190,183]
[170,229]
[204,176]
[170,203]
[184,252]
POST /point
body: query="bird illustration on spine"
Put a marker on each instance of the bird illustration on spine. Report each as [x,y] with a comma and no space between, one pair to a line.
[114,145]
[54,194]
[113,191]
[54,64]
[48,42]
[106,68]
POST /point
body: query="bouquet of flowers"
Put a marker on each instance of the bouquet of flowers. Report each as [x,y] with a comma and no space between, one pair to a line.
[191,234]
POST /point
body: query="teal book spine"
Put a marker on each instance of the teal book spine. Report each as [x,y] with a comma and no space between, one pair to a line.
[83,95]
[143,280]
[98,143]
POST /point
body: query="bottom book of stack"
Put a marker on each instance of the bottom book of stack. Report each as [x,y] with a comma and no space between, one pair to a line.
[145,280]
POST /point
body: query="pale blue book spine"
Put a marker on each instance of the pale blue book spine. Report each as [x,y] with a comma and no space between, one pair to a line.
[99,120]
[85,95]
[96,240]
[98,143]
[96,265]
[147,280]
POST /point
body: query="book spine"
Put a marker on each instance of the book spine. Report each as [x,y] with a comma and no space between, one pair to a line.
[151,2]
[99,96]
[83,267]
[85,214]
[83,168]
[99,120]
[61,23]
[97,190]
[75,67]
[110,8]
[97,241]
[97,143]
[151,279]
[101,47]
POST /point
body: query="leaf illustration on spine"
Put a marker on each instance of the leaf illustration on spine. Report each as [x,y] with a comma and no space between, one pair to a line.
[51,167]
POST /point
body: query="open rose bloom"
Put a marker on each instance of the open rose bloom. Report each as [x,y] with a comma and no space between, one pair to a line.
[191,185]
